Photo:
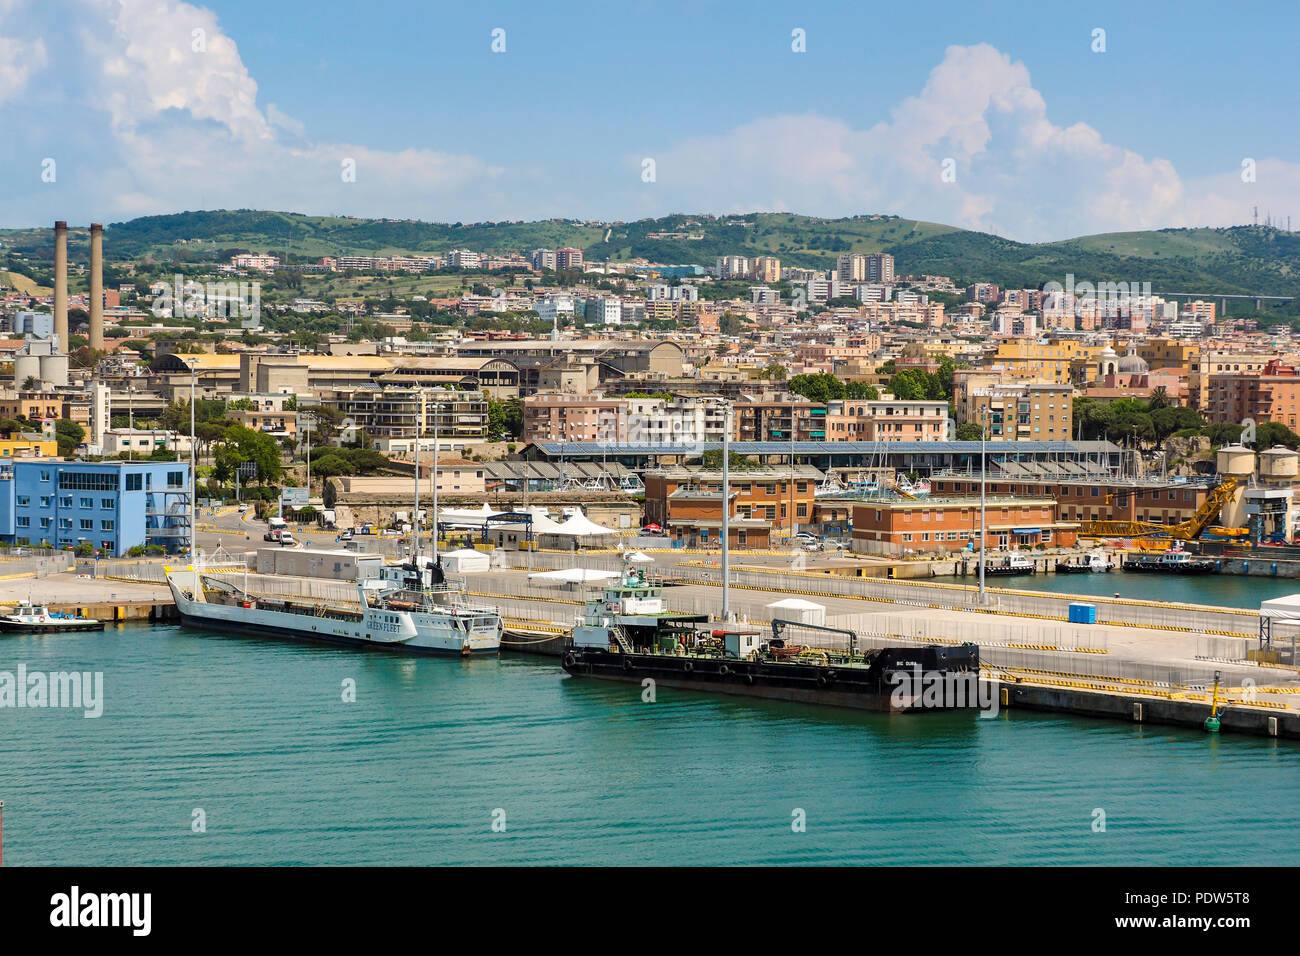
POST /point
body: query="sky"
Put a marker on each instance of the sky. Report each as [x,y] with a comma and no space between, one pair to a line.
[1035,121]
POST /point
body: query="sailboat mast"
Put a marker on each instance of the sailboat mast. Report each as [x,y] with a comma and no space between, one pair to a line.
[726,516]
[434,507]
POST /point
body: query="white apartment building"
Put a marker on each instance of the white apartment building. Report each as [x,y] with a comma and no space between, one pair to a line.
[463,259]
[762,295]
[682,420]
[604,310]
[660,292]
[555,308]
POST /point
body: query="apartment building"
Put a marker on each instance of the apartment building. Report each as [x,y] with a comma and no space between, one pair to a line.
[1019,412]
[568,259]
[886,420]
[1269,395]
[562,417]
[683,419]
[1221,362]
[767,269]
[463,259]
[858,267]
[765,419]
[401,412]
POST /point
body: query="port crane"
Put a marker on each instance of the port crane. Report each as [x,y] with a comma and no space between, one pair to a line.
[1188,530]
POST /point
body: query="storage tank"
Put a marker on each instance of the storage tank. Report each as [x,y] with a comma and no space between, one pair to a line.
[25,367]
[1236,460]
[1279,463]
[54,370]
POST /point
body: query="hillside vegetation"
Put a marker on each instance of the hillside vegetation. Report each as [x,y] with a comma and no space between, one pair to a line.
[1242,260]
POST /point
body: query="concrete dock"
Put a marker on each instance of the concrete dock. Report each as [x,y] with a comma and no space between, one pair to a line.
[1143,666]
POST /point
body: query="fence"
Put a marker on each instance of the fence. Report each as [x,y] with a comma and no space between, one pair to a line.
[37,563]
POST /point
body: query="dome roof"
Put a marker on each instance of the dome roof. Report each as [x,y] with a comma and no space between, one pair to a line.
[1132,362]
[1108,352]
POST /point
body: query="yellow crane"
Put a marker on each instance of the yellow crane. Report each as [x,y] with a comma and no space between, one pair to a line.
[1187,530]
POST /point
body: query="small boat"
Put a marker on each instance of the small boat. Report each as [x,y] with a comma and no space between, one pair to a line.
[1013,563]
[32,618]
[1094,562]
[1173,561]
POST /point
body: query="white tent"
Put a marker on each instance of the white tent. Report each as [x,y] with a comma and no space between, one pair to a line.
[797,609]
[580,526]
[573,575]
[638,557]
[465,517]
[544,523]
[466,561]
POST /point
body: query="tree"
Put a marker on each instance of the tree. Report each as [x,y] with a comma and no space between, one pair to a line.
[969,431]
[69,435]
[1269,434]
[820,387]
[244,445]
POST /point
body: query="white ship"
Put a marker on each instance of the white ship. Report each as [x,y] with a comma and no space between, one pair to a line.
[445,620]
[390,619]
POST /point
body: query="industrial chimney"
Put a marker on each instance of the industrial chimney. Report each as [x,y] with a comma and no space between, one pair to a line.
[61,283]
[96,286]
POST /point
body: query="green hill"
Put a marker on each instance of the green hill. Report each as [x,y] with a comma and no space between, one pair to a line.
[1242,259]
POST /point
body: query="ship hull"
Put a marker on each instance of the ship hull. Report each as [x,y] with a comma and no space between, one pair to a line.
[1206,568]
[388,631]
[856,688]
[254,628]
[14,627]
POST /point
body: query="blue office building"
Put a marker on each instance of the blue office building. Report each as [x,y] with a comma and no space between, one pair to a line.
[112,505]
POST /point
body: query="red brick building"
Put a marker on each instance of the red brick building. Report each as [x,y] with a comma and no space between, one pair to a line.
[949,524]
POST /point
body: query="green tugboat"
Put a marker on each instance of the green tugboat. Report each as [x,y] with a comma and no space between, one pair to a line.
[628,635]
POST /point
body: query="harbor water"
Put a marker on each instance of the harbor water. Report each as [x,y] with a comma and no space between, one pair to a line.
[1220,590]
[252,739]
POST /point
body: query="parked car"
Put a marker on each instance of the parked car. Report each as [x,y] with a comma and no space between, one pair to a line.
[287,540]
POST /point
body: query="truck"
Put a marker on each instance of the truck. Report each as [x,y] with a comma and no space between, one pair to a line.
[327,519]
[274,528]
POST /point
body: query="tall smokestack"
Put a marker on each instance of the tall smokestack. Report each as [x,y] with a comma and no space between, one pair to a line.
[61,283]
[96,286]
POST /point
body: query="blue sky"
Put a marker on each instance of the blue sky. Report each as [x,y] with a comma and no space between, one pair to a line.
[1045,137]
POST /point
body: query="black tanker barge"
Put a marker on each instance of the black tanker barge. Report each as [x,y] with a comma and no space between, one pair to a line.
[627,635]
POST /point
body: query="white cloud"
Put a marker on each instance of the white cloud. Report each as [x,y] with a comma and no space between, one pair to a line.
[1017,173]
[20,59]
[178,126]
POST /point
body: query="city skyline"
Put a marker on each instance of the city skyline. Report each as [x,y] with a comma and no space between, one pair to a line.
[1026,130]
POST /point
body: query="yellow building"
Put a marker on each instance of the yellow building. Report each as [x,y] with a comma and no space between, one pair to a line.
[1059,362]
[28,446]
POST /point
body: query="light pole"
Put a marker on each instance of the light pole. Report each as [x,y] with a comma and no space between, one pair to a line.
[984,423]
[194,479]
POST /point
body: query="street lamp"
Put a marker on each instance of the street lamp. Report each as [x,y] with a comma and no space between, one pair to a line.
[984,423]
[194,480]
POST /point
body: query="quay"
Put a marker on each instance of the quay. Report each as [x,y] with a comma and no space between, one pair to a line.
[1144,662]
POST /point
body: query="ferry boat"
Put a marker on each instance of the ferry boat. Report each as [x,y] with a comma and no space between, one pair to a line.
[445,619]
[39,619]
[628,635]
[1094,562]
[1173,561]
[1013,563]
[381,617]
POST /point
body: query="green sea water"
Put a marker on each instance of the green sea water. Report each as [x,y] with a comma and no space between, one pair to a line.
[253,738]
[1220,590]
